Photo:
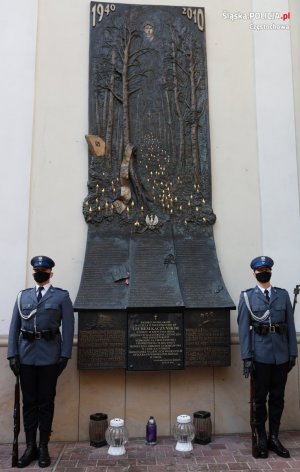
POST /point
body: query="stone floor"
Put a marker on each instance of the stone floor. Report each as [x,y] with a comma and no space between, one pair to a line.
[224,453]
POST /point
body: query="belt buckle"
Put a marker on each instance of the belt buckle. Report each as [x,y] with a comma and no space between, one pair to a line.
[272,329]
[37,335]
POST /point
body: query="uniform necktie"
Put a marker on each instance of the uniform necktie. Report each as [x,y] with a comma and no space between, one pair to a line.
[267,295]
[39,295]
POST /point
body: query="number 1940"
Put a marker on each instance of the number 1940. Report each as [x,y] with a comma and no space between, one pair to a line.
[98,11]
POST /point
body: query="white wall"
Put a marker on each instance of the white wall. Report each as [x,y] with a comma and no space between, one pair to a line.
[276,140]
[235,184]
[18,23]
[295,49]
[60,159]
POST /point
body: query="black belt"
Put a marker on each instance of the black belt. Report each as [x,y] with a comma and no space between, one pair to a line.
[48,334]
[264,329]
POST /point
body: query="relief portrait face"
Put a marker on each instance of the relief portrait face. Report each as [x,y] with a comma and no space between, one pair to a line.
[149,31]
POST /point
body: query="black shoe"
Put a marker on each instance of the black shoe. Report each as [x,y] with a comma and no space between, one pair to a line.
[29,455]
[275,445]
[44,458]
[43,455]
[262,446]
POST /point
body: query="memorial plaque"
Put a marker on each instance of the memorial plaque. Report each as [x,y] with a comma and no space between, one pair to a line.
[155,341]
[101,340]
[207,338]
[151,296]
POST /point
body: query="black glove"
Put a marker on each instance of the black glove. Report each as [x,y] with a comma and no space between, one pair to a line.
[248,367]
[292,363]
[61,365]
[14,364]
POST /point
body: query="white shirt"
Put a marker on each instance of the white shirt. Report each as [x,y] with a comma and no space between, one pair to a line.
[45,287]
[263,290]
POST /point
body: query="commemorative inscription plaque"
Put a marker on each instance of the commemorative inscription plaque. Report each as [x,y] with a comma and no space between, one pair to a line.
[101,340]
[207,338]
[155,341]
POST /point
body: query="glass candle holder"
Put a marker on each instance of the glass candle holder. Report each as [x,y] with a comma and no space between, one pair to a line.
[184,433]
[116,436]
[203,427]
[97,427]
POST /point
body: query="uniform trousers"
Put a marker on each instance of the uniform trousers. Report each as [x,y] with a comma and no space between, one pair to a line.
[269,385]
[38,384]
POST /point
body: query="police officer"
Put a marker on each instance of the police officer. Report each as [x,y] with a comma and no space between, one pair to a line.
[38,351]
[268,349]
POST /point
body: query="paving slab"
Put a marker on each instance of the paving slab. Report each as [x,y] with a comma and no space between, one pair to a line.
[224,453]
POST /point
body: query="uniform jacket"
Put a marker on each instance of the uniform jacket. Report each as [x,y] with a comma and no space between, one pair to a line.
[272,348]
[53,310]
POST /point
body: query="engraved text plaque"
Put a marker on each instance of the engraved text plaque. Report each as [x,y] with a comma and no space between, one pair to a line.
[155,341]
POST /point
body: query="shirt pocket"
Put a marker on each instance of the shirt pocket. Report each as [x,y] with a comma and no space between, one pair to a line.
[278,313]
[52,306]
[53,310]
[27,308]
[260,309]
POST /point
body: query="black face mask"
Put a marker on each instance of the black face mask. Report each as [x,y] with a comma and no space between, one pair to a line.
[41,277]
[263,277]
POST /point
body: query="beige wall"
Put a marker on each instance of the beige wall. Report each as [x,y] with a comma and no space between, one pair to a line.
[135,396]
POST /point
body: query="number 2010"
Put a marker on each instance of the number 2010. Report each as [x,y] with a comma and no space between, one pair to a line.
[99,10]
[197,15]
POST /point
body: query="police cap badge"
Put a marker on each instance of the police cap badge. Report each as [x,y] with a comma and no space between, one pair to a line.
[42,262]
[261,261]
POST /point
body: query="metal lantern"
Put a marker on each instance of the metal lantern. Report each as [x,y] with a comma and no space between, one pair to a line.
[97,427]
[203,427]
[116,436]
[184,433]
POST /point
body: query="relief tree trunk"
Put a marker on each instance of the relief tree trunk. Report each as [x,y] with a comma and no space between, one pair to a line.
[110,114]
[194,125]
[97,117]
[134,177]
[125,94]
[177,106]
[104,113]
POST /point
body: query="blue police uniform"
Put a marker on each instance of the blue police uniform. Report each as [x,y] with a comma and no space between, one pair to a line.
[272,347]
[267,340]
[39,345]
[53,310]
